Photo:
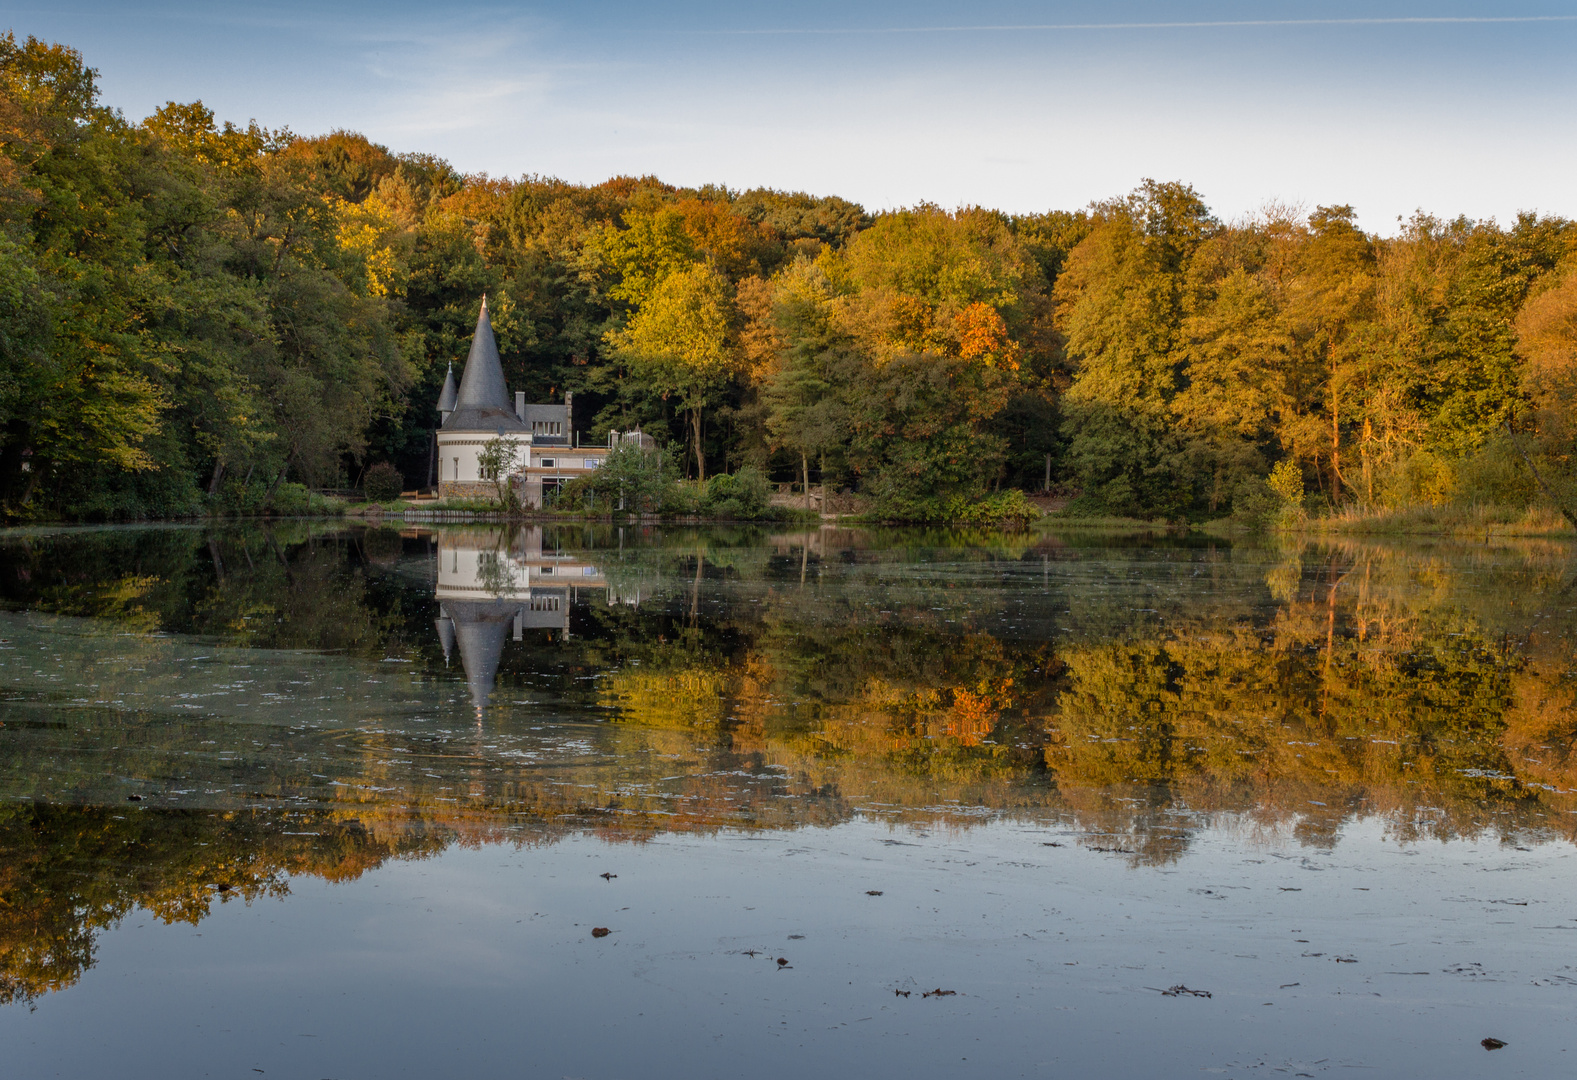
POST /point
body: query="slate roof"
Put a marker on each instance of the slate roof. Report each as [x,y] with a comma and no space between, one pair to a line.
[539,421]
[482,402]
[446,397]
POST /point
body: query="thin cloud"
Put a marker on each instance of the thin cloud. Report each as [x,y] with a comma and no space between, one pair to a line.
[1212,24]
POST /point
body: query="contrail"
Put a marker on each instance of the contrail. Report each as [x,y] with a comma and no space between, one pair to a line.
[1419,20]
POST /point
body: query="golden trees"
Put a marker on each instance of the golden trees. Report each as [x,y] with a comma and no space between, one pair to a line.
[682,342]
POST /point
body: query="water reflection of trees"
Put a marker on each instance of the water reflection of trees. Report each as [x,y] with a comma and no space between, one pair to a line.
[67,872]
[780,681]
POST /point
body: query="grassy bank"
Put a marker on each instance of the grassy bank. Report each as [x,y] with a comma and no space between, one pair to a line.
[1459,522]
[1065,520]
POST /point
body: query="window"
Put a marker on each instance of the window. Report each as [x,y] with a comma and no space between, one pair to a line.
[457,468]
[592,463]
[545,571]
[547,463]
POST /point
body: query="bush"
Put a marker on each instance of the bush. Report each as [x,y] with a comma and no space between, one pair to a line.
[1286,480]
[241,497]
[1274,501]
[292,499]
[1257,505]
[644,480]
[105,493]
[742,496]
[681,498]
[648,484]
[1010,509]
[1497,476]
[382,482]
[1420,479]
[1003,510]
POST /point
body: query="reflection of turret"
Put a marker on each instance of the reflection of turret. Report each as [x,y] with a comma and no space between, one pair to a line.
[492,581]
[445,627]
[480,628]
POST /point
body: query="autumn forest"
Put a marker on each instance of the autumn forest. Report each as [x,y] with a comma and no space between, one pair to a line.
[201,317]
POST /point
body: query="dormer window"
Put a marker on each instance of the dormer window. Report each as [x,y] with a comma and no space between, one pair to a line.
[547,427]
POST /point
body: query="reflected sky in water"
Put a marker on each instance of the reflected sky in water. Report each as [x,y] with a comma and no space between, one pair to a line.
[320,794]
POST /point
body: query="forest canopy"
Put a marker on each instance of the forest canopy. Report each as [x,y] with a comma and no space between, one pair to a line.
[197,315]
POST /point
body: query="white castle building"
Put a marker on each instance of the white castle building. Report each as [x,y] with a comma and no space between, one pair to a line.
[480,410]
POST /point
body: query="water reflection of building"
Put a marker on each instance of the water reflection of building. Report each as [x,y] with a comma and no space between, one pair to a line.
[494,585]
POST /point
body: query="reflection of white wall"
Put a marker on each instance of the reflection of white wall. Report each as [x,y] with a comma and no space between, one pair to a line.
[475,565]
[477,572]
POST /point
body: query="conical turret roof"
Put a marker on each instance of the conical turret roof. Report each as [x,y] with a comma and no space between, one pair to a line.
[446,397]
[482,402]
[480,629]
[446,638]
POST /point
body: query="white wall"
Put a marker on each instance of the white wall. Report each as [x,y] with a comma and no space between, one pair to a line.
[459,450]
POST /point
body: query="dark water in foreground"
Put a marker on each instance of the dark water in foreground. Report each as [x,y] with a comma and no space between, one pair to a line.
[350,803]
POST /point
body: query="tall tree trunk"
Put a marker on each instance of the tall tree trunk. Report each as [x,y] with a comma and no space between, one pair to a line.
[700,457]
[804,475]
[695,590]
[1368,465]
[1336,430]
[213,481]
[822,466]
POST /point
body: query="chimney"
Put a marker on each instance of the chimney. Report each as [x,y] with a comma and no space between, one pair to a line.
[569,411]
[520,405]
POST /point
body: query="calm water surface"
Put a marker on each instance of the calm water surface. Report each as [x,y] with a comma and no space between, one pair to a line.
[344,803]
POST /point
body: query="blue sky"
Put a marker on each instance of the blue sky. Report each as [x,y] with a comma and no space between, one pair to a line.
[1391,107]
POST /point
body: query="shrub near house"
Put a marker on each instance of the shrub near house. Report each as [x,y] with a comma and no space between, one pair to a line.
[382,482]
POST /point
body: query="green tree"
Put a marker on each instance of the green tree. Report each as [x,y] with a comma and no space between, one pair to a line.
[805,408]
[496,462]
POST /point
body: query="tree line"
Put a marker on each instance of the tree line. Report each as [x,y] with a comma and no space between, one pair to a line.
[199,316]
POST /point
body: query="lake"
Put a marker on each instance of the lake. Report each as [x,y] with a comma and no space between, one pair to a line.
[324,801]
